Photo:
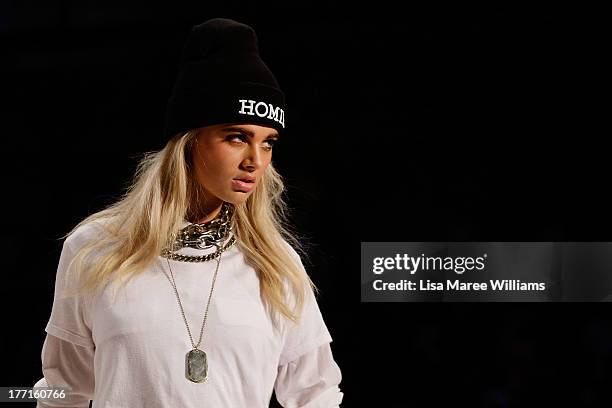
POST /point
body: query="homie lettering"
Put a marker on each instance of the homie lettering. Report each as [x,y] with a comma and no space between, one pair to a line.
[262,109]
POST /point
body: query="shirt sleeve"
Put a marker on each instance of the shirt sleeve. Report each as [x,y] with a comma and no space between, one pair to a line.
[65,364]
[69,318]
[310,333]
[310,381]
[307,374]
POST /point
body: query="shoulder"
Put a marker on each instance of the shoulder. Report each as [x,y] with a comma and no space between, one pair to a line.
[86,232]
[300,280]
[293,253]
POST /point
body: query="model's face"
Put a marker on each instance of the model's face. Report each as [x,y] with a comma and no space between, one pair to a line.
[222,154]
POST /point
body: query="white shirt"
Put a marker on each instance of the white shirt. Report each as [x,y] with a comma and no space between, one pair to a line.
[131,353]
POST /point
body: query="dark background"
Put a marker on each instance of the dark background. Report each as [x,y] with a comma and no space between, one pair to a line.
[438,124]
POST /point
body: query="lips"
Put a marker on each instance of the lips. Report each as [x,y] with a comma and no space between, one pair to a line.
[242,185]
[246,179]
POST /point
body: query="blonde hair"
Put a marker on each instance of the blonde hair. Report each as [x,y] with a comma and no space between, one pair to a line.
[162,195]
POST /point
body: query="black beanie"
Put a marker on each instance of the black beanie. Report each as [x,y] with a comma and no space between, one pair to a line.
[222,79]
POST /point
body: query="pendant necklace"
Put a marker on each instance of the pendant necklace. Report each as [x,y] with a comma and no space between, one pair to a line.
[196,360]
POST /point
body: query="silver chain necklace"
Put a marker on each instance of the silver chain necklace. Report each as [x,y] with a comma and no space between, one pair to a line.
[199,236]
[196,361]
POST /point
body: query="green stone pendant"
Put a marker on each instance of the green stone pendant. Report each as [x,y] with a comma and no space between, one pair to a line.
[196,366]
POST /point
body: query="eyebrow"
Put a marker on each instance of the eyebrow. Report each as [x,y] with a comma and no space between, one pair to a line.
[247,132]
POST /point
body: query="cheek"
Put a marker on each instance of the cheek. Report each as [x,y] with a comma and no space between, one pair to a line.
[215,166]
[267,160]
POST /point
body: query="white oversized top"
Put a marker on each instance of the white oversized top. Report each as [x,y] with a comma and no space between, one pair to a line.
[131,353]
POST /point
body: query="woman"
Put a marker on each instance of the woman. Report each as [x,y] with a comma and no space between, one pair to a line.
[200,236]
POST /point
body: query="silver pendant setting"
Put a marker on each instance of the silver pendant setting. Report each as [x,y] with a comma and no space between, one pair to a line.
[196,366]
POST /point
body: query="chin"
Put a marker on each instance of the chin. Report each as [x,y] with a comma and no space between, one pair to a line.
[237,198]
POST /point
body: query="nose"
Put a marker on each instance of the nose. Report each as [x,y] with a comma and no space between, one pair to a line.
[252,159]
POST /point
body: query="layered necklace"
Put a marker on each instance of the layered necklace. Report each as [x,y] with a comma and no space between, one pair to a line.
[200,236]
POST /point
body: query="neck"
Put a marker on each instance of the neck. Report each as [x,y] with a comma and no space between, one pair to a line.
[209,212]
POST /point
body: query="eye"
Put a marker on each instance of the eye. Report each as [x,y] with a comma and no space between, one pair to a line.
[243,139]
[271,143]
[239,136]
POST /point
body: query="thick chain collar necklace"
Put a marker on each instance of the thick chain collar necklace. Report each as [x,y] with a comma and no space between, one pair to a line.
[204,236]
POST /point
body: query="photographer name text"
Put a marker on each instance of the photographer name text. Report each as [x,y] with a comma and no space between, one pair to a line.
[457,285]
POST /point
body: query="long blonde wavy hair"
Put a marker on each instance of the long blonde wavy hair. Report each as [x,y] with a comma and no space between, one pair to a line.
[162,195]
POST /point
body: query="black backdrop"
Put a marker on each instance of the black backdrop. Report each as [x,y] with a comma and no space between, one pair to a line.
[460,123]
